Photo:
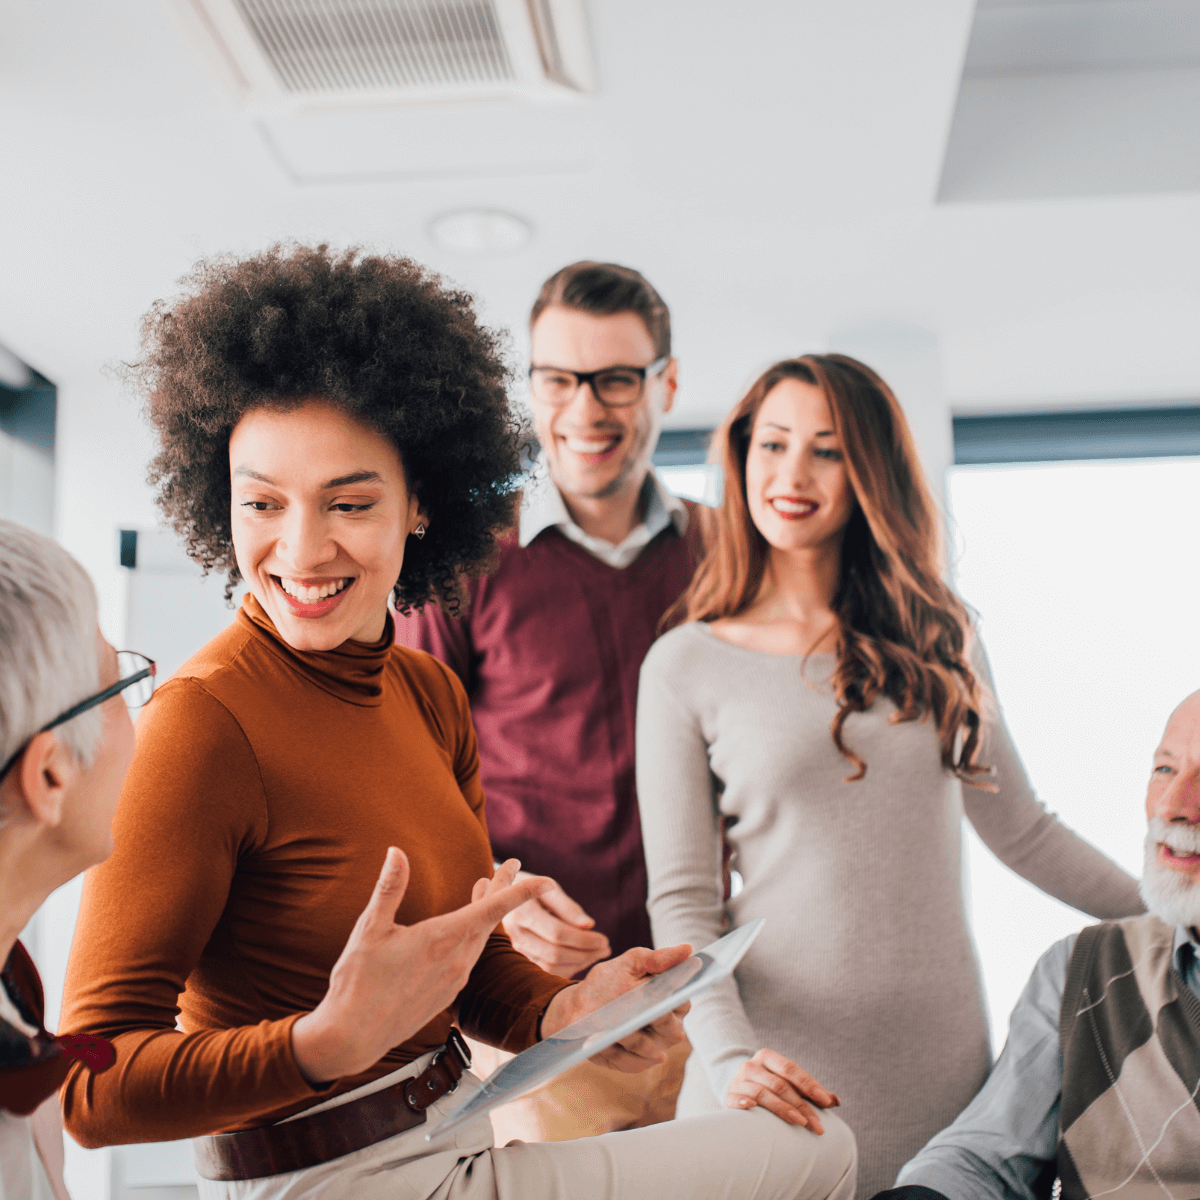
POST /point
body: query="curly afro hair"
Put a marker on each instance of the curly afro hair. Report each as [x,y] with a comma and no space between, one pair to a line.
[381,337]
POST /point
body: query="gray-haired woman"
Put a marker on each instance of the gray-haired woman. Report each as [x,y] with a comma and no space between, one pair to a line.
[65,743]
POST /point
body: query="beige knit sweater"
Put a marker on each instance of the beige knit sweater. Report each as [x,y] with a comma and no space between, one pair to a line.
[866,973]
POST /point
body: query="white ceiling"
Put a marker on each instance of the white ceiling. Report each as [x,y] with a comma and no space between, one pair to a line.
[772,166]
[1077,98]
[1010,36]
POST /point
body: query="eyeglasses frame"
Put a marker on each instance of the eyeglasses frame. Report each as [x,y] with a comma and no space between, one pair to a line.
[649,371]
[91,702]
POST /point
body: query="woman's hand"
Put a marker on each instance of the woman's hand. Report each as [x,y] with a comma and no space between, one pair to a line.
[775,1083]
[649,1045]
[392,980]
[555,933]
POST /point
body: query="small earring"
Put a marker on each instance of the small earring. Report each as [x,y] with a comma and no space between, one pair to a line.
[419,532]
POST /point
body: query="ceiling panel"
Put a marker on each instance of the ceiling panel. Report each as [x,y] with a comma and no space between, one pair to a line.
[1101,133]
[1010,37]
[1076,98]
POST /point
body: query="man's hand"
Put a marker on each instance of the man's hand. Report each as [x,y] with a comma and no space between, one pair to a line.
[649,1045]
[778,1085]
[556,933]
[392,980]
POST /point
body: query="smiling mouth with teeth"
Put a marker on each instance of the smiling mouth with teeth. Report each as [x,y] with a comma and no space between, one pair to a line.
[592,447]
[792,508]
[1180,853]
[312,593]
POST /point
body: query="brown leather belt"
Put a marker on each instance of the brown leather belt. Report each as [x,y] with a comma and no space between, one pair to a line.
[333,1132]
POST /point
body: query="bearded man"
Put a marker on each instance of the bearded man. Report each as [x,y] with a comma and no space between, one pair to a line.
[1099,1082]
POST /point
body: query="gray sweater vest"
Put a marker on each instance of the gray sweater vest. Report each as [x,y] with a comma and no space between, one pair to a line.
[1129,1028]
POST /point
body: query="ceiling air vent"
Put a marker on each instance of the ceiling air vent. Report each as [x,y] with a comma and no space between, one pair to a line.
[285,55]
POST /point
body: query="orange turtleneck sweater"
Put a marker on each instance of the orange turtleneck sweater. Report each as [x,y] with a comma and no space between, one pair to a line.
[266,787]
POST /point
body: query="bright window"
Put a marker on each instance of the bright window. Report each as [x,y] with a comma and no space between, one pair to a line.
[700,481]
[1086,578]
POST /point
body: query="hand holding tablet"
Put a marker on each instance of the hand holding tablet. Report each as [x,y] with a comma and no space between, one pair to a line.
[603,1027]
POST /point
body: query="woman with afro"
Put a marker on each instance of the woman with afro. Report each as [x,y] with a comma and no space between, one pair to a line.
[302,898]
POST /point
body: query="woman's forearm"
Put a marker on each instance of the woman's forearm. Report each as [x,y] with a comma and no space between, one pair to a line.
[1017,828]
[506,997]
[682,838]
[168,1085]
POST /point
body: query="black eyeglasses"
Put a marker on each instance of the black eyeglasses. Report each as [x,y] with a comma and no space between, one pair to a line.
[136,675]
[614,387]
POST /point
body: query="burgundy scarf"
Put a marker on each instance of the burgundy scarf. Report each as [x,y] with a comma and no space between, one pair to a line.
[32,1068]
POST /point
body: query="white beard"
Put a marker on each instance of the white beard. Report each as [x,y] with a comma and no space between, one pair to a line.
[1170,895]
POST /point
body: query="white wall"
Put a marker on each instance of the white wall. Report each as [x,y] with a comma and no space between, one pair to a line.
[102,451]
[26,484]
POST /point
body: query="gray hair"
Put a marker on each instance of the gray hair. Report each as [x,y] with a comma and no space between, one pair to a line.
[48,660]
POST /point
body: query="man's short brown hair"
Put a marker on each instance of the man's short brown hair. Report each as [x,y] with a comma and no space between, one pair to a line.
[604,289]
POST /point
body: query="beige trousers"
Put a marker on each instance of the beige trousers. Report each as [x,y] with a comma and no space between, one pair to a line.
[743,1155]
[585,1100]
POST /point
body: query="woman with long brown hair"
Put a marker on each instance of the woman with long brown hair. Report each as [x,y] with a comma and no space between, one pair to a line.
[824,715]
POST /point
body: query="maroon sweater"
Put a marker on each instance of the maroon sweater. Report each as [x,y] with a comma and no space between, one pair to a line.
[549,653]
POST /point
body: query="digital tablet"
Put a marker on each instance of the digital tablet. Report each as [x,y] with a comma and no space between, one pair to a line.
[600,1029]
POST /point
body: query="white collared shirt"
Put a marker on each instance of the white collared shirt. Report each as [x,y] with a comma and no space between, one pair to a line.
[543,507]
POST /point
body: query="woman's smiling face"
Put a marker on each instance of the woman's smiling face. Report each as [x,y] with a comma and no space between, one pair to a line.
[321,511]
[797,489]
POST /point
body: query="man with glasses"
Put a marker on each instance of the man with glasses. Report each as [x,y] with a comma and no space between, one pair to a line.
[550,648]
[66,741]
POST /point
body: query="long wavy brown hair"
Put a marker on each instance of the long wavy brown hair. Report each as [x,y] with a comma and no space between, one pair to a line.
[902,632]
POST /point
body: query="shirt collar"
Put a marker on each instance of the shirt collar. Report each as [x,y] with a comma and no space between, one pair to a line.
[1186,952]
[353,671]
[542,508]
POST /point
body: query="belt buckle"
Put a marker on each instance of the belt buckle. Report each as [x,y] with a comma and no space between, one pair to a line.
[458,1044]
[454,1057]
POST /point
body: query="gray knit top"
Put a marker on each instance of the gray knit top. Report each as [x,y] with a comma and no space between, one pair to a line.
[866,973]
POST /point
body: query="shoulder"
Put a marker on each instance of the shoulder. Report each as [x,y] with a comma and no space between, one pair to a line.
[1142,929]
[438,697]
[433,684]
[536,563]
[1051,968]
[426,673]
[1043,991]
[185,708]
[196,768]
[1145,927]
[194,723]
[1039,1004]
[683,650]
[226,652]
[975,653]
[1139,946]
[1137,936]
[220,679]
[688,543]
[190,744]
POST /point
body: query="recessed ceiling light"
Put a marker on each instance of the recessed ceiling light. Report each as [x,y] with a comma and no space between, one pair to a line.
[479,232]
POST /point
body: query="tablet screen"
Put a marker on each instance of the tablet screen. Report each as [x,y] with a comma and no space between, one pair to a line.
[608,1024]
